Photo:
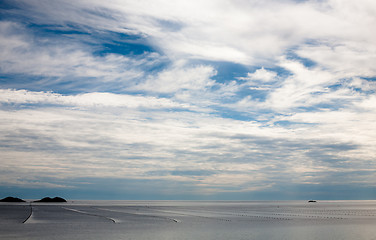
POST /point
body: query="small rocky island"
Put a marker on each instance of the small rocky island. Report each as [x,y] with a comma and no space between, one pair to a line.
[12,199]
[51,200]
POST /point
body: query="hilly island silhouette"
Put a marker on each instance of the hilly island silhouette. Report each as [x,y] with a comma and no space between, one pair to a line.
[48,200]
[12,199]
[43,200]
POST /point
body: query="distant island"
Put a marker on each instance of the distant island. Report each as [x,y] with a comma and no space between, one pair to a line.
[51,200]
[12,199]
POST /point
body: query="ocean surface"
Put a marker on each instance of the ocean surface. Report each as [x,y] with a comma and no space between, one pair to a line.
[164,220]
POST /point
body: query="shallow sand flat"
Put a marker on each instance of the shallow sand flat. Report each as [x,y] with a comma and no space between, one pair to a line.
[189,220]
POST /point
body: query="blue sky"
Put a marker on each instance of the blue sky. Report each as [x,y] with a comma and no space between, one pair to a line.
[226,100]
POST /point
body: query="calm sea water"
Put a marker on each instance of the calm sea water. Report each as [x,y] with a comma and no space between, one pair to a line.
[164,220]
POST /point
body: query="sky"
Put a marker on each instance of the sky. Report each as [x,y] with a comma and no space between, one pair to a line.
[188,100]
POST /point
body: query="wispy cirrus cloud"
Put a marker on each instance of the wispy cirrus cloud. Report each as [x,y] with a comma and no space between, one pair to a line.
[66,64]
[244,32]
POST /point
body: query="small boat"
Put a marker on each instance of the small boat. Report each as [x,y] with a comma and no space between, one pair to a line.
[312,201]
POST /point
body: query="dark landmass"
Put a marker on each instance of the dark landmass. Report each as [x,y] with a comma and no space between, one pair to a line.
[312,201]
[11,199]
[51,200]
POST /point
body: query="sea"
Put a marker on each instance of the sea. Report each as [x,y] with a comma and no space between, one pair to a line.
[174,220]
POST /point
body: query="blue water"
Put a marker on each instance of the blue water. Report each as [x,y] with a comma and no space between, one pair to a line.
[157,220]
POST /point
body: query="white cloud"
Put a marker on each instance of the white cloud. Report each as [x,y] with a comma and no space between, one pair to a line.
[307,87]
[23,53]
[133,143]
[95,99]
[261,75]
[362,84]
[178,78]
[237,31]
[303,86]
[346,58]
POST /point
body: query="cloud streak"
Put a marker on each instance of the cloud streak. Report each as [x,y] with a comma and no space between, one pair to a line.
[94,99]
